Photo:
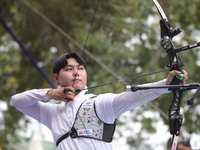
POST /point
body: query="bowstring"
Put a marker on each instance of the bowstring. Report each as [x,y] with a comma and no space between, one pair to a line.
[89,31]
[78,66]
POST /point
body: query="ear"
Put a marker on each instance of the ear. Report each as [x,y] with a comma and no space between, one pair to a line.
[56,78]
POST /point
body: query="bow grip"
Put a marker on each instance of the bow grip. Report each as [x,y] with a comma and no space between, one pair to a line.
[177,79]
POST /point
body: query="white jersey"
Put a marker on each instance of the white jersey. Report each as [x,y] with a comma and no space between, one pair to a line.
[59,118]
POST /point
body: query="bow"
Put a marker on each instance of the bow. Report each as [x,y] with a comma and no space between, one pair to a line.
[167,34]
[175,63]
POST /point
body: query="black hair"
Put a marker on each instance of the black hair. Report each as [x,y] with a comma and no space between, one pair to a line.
[61,61]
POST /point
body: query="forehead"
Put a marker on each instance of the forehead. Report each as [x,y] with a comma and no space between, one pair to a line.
[72,61]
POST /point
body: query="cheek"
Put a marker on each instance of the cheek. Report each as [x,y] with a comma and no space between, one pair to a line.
[64,79]
[84,77]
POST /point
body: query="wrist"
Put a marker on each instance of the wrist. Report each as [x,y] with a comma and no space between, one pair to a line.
[49,94]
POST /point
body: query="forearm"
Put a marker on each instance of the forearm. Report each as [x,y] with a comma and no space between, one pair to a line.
[28,98]
[29,103]
[151,94]
[129,100]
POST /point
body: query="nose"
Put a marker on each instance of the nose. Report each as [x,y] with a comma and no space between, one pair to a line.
[76,72]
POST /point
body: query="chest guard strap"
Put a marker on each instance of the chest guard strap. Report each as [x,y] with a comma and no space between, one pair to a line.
[87,124]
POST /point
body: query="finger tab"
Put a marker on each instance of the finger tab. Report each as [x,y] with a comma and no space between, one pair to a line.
[66,90]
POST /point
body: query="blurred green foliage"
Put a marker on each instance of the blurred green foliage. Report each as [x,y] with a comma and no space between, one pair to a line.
[125,36]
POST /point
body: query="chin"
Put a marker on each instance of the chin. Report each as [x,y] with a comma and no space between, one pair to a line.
[78,88]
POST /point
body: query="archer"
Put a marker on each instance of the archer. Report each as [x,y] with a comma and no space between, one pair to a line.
[84,120]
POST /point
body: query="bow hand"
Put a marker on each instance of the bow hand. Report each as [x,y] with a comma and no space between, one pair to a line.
[181,76]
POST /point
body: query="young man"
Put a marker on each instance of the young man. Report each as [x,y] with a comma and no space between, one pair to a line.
[86,120]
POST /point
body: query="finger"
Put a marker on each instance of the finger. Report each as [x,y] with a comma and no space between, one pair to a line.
[67,99]
[176,72]
[68,95]
[65,90]
[185,76]
[184,72]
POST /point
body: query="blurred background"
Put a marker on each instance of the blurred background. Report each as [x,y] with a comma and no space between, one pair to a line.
[124,41]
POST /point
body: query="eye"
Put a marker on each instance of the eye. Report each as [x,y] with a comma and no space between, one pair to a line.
[68,69]
[81,68]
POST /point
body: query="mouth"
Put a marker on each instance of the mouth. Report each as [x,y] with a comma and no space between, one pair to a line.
[76,80]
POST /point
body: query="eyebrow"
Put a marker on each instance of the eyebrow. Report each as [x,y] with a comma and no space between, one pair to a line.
[73,65]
